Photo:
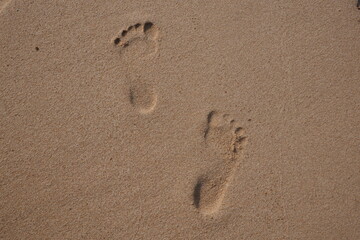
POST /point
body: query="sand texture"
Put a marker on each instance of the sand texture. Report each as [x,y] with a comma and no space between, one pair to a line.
[179,119]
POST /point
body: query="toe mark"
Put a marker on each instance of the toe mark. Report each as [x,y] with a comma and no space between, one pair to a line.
[116,41]
[147,26]
[238,130]
[142,35]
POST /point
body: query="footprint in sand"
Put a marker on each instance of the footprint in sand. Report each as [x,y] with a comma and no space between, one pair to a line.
[227,140]
[138,47]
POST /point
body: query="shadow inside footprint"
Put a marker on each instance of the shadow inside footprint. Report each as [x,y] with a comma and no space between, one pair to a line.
[196,194]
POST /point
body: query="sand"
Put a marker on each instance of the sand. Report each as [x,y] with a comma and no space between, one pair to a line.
[179,119]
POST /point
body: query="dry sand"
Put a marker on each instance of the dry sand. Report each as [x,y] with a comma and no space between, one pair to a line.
[179,119]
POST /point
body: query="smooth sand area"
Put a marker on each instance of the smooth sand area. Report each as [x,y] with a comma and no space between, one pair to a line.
[179,119]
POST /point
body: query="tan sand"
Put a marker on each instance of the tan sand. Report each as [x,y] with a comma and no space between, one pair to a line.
[180,119]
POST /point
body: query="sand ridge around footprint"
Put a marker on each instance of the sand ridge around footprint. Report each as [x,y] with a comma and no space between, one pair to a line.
[226,139]
[138,47]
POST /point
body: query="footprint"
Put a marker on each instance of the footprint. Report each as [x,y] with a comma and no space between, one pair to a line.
[138,46]
[138,41]
[227,140]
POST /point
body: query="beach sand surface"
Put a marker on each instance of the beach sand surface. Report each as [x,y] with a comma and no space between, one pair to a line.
[179,119]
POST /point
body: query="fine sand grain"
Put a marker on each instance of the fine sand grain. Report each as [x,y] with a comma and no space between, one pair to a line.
[179,119]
